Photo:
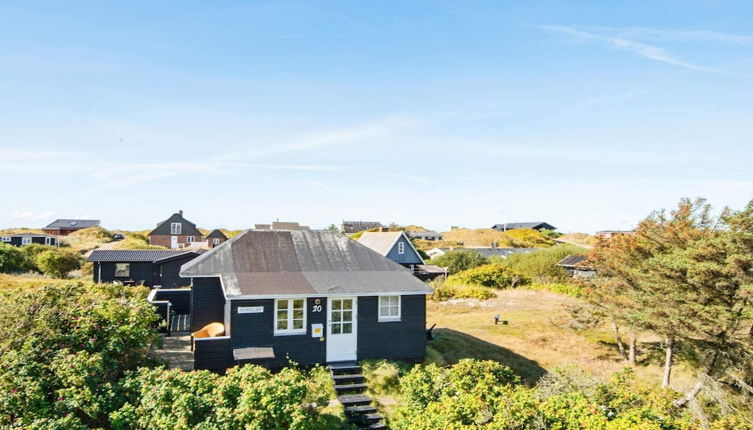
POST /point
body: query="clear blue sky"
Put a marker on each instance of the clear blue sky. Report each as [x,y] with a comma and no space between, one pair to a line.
[587,114]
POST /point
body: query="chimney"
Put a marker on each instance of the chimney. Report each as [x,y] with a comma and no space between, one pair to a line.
[384,229]
[180,212]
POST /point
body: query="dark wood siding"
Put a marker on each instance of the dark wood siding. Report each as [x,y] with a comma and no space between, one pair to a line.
[404,339]
[16,240]
[207,302]
[180,300]
[213,354]
[140,272]
[169,272]
[258,330]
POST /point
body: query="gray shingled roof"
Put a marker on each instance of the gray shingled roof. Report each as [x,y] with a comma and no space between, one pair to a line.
[264,263]
[73,223]
[27,235]
[133,255]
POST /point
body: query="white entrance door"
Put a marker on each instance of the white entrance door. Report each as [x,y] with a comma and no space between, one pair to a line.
[173,242]
[342,333]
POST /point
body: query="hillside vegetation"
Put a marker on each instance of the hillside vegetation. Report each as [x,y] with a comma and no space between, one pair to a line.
[485,237]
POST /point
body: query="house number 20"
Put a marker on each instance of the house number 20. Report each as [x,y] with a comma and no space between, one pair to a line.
[316,308]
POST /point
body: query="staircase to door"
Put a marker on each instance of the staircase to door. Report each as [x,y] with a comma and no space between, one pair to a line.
[350,385]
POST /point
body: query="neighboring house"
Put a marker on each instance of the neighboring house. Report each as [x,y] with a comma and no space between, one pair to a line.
[215,238]
[518,225]
[23,239]
[350,227]
[175,232]
[305,296]
[396,246]
[425,235]
[609,233]
[64,227]
[153,268]
[577,266]
[486,252]
[278,225]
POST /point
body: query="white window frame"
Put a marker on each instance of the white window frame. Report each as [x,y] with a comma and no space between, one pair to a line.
[289,331]
[389,306]
[176,227]
[401,248]
[26,241]
[127,269]
[5,239]
[216,241]
[48,240]
[190,239]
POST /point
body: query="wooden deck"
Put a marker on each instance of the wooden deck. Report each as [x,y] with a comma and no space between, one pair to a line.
[177,351]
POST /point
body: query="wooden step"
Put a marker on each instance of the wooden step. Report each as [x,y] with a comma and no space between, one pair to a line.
[364,419]
[348,377]
[357,410]
[350,387]
[354,400]
[373,426]
[344,368]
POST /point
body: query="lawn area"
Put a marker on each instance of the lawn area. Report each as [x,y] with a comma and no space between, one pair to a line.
[33,280]
[530,343]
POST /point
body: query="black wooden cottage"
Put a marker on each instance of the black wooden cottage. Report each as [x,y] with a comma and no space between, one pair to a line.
[141,267]
[308,296]
[23,239]
[538,225]
[216,238]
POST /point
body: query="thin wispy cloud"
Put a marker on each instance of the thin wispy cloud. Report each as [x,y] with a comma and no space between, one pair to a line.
[644,50]
[698,36]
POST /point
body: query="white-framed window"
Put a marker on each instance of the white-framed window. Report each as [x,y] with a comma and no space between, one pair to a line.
[190,239]
[401,247]
[175,227]
[5,239]
[48,241]
[25,241]
[216,241]
[290,316]
[389,308]
[122,270]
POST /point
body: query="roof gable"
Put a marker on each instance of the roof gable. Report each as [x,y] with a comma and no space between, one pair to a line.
[216,234]
[188,228]
[386,242]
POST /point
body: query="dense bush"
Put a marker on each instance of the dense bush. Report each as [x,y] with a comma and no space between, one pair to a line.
[444,291]
[246,397]
[57,263]
[64,350]
[541,265]
[11,259]
[486,395]
[488,275]
[383,375]
[459,260]
[572,290]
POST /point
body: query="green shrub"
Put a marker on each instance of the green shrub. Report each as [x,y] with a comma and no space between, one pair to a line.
[487,395]
[444,291]
[488,275]
[382,376]
[572,290]
[541,265]
[459,260]
[11,259]
[246,397]
[30,253]
[57,263]
[69,345]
